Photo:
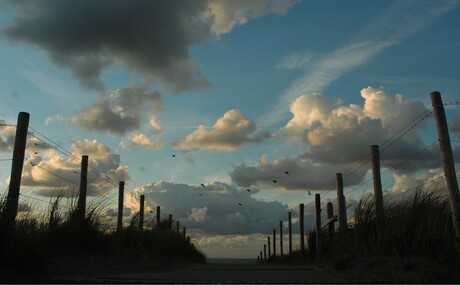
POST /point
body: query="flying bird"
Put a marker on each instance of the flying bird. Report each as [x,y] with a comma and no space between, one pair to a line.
[35,143]
[202,185]
[249,190]
[240,204]
[173,155]
[286,172]
[35,152]
[274,180]
[201,194]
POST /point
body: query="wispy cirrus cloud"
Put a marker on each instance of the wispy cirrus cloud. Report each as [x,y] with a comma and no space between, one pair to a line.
[395,24]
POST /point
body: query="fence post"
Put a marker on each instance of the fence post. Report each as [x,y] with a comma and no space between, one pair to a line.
[170,222]
[318,224]
[141,212]
[83,188]
[447,159]
[268,241]
[342,211]
[281,238]
[260,256]
[274,242]
[158,217]
[330,214]
[290,232]
[265,252]
[184,232]
[16,171]
[121,189]
[177,227]
[378,196]
[302,241]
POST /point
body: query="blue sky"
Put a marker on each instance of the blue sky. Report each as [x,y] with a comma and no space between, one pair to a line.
[239,92]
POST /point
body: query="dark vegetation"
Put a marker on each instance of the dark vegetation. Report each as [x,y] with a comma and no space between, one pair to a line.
[47,247]
[416,245]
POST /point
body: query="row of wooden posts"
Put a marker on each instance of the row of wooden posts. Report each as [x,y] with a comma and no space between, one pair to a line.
[12,202]
[11,206]
[449,173]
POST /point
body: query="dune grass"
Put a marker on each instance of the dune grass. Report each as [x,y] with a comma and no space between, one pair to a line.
[416,244]
[59,243]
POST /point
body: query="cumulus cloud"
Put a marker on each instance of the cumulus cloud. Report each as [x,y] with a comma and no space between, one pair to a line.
[216,210]
[229,133]
[51,174]
[144,141]
[343,134]
[152,38]
[119,112]
[303,174]
[155,125]
[226,14]
[7,137]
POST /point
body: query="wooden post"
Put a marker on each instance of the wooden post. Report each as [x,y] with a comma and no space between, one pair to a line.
[158,217]
[302,241]
[274,243]
[170,222]
[121,189]
[378,195]
[260,256]
[11,207]
[281,238]
[265,252]
[141,212]
[268,241]
[447,159]
[318,224]
[342,212]
[177,227]
[184,232]
[330,214]
[290,232]
[83,187]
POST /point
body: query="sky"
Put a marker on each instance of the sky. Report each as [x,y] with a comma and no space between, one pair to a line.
[169,95]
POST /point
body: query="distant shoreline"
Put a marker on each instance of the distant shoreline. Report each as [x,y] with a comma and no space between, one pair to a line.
[231,260]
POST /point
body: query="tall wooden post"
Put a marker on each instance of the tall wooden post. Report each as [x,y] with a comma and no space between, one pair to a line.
[318,224]
[141,212]
[121,190]
[290,232]
[302,241]
[260,256]
[378,195]
[11,207]
[170,222]
[265,252]
[158,217]
[274,243]
[330,214]
[281,238]
[268,242]
[342,211]
[177,227]
[447,159]
[83,187]
[184,232]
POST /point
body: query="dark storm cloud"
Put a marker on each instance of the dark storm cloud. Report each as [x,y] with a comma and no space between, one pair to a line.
[149,37]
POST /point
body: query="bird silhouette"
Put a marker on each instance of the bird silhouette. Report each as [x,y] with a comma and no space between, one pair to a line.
[173,155]
[202,185]
[286,172]
[240,204]
[274,180]
[309,193]
[201,194]
[35,143]
[249,190]
[35,152]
